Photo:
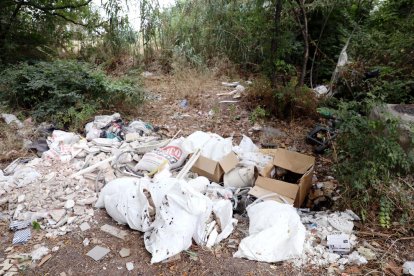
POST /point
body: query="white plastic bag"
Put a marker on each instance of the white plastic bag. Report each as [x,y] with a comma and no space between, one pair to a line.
[125,201]
[212,146]
[275,233]
[174,153]
[175,222]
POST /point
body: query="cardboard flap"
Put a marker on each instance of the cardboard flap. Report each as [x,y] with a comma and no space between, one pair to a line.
[260,192]
[229,162]
[206,164]
[293,161]
[279,187]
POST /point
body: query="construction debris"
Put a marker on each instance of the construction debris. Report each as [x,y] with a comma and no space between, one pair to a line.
[98,252]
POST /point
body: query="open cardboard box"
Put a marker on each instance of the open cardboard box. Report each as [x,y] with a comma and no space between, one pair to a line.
[292,193]
[214,170]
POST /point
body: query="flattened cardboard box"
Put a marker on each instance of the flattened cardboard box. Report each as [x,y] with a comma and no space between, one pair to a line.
[295,162]
[214,170]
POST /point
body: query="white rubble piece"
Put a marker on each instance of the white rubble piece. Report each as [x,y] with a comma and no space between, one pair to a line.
[124,252]
[84,227]
[129,266]
[118,233]
[275,233]
[357,259]
[12,119]
[98,252]
[318,231]
[38,253]
[408,268]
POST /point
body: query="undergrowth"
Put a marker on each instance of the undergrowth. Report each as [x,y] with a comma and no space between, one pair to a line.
[372,165]
[64,92]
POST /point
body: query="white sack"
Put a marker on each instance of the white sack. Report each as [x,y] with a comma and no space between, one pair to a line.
[175,221]
[212,146]
[174,153]
[125,201]
[275,233]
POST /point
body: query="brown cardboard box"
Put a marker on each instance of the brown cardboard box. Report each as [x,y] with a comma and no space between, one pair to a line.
[294,162]
[214,170]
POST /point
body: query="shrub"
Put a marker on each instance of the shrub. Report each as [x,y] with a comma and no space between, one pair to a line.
[283,101]
[65,92]
[370,162]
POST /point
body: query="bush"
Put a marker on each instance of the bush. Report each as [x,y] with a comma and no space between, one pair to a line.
[65,92]
[282,101]
[370,162]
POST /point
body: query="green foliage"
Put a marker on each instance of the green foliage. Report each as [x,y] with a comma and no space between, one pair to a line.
[256,114]
[67,92]
[35,225]
[370,158]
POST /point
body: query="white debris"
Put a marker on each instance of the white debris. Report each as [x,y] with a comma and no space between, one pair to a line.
[38,253]
[321,90]
[275,233]
[357,259]
[408,268]
[69,204]
[86,242]
[12,119]
[129,266]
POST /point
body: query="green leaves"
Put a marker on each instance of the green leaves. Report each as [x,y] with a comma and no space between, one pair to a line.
[67,92]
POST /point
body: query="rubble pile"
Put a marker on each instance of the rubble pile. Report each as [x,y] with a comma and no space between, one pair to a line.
[176,191]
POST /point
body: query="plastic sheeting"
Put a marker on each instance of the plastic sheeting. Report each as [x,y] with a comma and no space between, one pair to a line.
[275,233]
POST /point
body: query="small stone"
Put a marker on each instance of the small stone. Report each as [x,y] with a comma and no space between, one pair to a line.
[121,234]
[56,248]
[69,204]
[408,268]
[62,274]
[84,226]
[125,252]
[98,252]
[21,198]
[86,242]
[130,266]
[57,214]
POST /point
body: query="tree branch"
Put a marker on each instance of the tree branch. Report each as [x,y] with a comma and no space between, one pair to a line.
[52,8]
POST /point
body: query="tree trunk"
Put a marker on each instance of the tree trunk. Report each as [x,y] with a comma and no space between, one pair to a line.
[4,31]
[305,35]
[274,42]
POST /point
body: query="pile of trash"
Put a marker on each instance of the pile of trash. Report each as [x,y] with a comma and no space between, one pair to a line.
[175,191]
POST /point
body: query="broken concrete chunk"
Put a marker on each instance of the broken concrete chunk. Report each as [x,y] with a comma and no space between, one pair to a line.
[130,266]
[86,242]
[98,252]
[84,226]
[69,204]
[121,234]
[57,214]
[408,268]
[124,252]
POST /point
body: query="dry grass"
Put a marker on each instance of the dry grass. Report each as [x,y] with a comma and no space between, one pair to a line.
[11,146]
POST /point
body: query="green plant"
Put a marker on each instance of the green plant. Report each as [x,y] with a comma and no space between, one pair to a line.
[258,113]
[370,159]
[36,225]
[66,92]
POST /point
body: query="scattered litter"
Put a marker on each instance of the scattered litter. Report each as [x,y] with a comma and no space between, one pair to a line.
[98,252]
[357,259]
[44,260]
[118,233]
[124,252]
[129,266]
[12,119]
[38,253]
[22,236]
[84,226]
[338,243]
[184,103]
[230,84]
[321,90]
[408,268]
[366,253]
[86,242]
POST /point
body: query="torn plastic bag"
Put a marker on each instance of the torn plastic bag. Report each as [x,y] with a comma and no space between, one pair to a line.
[275,233]
[249,154]
[210,234]
[212,145]
[125,201]
[176,220]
